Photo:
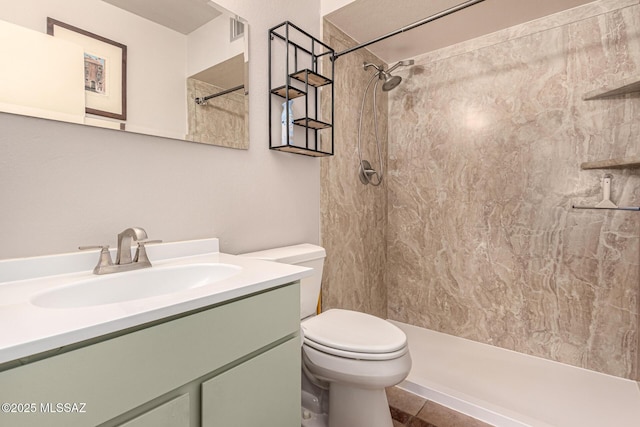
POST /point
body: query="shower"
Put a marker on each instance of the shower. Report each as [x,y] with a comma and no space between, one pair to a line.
[367,174]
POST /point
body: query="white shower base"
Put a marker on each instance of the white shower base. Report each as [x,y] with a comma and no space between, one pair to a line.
[510,389]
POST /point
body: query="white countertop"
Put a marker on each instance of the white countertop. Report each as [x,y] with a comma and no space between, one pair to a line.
[28,329]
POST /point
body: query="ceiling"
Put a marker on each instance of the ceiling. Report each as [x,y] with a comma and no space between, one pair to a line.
[183,16]
[224,74]
[366,20]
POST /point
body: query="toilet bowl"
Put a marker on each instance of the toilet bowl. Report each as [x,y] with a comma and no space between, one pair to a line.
[358,356]
[349,356]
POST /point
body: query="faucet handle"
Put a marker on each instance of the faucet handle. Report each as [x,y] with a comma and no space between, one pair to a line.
[141,251]
[105,256]
[144,242]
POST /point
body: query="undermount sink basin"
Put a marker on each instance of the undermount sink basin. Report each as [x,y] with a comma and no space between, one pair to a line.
[133,285]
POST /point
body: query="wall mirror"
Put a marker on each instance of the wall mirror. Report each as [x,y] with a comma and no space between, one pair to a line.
[181,66]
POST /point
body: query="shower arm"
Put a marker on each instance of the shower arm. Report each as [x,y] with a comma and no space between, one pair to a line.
[426,20]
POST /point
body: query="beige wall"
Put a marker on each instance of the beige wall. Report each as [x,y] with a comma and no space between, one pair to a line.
[485,144]
[64,185]
[353,216]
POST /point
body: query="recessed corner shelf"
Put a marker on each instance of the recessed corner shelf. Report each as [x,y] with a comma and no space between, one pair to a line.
[293,92]
[616,89]
[621,163]
[617,208]
[314,79]
[606,203]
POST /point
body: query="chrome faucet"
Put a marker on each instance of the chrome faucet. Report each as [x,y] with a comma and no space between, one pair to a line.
[125,238]
[123,256]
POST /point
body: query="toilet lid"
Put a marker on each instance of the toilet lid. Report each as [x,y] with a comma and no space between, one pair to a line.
[354,332]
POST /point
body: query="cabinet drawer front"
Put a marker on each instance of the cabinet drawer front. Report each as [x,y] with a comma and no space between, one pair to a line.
[119,374]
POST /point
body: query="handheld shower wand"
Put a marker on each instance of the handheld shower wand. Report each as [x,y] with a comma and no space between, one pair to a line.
[366,172]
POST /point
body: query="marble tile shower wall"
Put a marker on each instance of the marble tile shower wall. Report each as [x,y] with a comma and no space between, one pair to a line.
[221,121]
[485,143]
[353,216]
[485,140]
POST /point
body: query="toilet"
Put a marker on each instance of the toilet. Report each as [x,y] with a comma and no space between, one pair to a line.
[348,357]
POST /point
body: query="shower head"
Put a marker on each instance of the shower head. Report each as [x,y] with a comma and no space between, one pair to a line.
[390,82]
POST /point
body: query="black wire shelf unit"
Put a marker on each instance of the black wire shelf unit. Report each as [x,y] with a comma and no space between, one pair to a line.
[301,70]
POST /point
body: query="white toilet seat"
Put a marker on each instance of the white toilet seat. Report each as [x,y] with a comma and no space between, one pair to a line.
[355,355]
[354,335]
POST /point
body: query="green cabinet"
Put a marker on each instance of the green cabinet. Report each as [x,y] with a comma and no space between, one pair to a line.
[182,368]
[267,401]
[174,413]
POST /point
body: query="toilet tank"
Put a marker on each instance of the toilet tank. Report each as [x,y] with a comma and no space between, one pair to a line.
[305,255]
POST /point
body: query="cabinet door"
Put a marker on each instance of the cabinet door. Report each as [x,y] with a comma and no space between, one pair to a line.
[264,391]
[174,413]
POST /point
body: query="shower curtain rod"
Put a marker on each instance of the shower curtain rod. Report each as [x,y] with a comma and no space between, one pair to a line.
[215,95]
[426,20]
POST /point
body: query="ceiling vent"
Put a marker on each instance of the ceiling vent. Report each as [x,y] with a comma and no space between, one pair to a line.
[237,29]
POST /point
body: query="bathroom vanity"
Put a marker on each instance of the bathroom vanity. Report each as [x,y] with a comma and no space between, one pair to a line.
[223,355]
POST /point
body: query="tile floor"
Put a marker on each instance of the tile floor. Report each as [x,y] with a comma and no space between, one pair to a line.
[410,410]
